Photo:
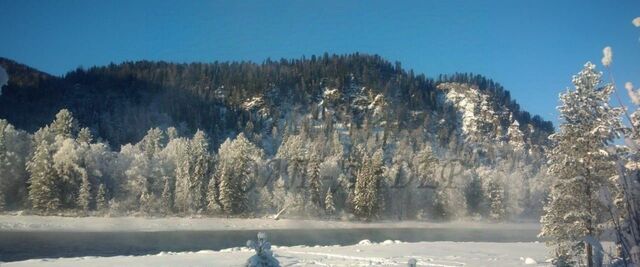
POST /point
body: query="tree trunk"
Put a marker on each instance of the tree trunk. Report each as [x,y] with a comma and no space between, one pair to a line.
[589,256]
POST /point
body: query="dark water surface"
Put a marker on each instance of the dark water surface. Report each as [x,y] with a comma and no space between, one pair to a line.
[16,245]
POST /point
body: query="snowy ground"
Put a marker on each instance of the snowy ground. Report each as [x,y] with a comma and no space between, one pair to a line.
[387,253]
[93,224]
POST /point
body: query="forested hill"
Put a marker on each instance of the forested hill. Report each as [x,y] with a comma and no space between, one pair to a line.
[120,102]
[326,136]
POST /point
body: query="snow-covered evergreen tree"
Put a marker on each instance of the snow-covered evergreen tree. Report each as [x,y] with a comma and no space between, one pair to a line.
[581,164]
[84,136]
[44,193]
[367,201]
[315,185]
[329,203]
[167,196]
[101,198]
[145,172]
[497,205]
[213,199]
[200,171]
[182,158]
[64,126]
[516,137]
[426,163]
[84,196]
[474,194]
[15,147]
[441,207]
[236,168]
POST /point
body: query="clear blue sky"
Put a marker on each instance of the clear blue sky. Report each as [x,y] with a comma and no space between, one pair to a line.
[531,47]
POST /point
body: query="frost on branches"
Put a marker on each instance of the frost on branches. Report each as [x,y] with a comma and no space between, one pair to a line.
[581,165]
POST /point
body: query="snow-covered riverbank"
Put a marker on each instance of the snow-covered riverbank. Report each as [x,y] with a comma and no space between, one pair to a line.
[387,253]
[95,224]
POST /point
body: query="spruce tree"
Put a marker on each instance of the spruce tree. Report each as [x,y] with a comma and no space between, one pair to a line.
[236,168]
[84,136]
[43,189]
[315,185]
[516,137]
[64,125]
[213,203]
[581,165]
[474,195]
[200,171]
[182,172]
[84,195]
[441,206]
[329,204]
[367,198]
[167,196]
[497,209]
[101,198]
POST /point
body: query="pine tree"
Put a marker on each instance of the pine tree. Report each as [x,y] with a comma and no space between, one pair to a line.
[581,165]
[474,195]
[213,203]
[497,211]
[367,199]
[84,195]
[516,137]
[43,188]
[64,126]
[426,164]
[182,172]
[200,172]
[84,136]
[237,162]
[441,209]
[167,196]
[145,172]
[315,186]
[101,198]
[329,204]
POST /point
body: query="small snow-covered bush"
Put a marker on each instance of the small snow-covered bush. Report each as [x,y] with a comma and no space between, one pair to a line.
[264,256]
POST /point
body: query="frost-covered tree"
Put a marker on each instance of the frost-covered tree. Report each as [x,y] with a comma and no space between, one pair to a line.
[167,196]
[67,162]
[426,164]
[497,204]
[315,185]
[441,206]
[236,168]
[44,193]
[146,171]
[516,137]
[625,206]
[213,199]
[329,203]
[101,198]
[581,165]
[15,146]
[65,125]
[367,201]
[84,136]
[474,194]
[182,159]
[201,170]
[295,152]
[84,196]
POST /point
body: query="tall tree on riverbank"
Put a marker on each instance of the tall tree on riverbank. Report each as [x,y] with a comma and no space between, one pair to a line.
[581,165]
